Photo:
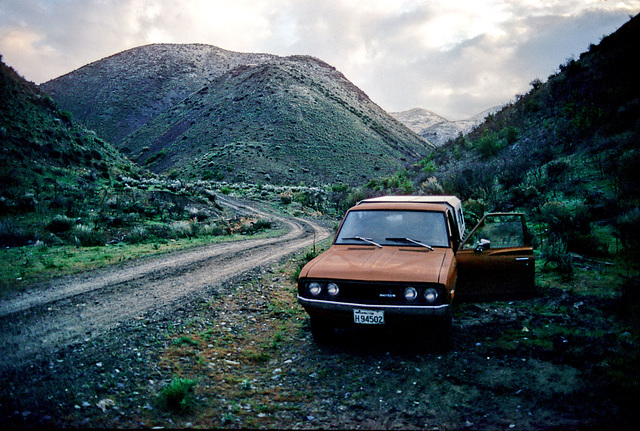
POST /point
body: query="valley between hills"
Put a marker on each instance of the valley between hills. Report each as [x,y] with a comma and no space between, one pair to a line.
[148,169]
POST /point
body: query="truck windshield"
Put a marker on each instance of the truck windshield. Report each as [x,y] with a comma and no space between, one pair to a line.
[394,227]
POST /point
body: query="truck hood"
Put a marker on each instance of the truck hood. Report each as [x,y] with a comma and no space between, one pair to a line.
[392,264]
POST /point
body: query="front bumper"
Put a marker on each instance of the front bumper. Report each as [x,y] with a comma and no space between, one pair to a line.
[419,311]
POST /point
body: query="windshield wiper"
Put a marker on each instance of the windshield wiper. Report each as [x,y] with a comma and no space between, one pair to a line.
[369,240]
[413,241]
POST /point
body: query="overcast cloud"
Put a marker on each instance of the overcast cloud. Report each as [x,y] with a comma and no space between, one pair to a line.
[453,57]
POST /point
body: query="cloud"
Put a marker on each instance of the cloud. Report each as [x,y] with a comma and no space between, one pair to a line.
[455,58]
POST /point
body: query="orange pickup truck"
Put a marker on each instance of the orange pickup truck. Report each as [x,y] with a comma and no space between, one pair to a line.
[403,259]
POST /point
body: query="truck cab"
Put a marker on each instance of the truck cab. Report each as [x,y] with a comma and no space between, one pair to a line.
[401,260]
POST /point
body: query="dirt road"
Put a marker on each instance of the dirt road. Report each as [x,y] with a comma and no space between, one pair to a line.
[77,308]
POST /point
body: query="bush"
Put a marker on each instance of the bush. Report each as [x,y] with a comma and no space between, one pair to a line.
[473,212]
[254,227]
[175,395]
[571,223]
[554,252]
[183,229]
[60,223]
[308,257]
[212,229]
[489,144]
[87,236]
[12,236]
[138,235]
[432,187]
[628,231]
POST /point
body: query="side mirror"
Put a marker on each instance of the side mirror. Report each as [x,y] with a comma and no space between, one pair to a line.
[482,245]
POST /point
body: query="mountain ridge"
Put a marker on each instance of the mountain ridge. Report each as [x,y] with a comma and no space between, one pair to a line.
[130,98]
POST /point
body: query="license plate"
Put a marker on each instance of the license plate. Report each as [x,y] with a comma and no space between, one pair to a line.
[368,317]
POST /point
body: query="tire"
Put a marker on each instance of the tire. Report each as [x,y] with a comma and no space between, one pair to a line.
[442,329]
[321,330]
[438,332]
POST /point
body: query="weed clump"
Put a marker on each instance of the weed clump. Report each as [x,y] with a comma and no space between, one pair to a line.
[175,395]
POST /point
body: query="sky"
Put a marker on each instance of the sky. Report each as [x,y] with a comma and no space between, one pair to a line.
[453,57]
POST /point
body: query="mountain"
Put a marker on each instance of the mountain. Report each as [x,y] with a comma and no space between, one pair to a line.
[437,129]
[198,111]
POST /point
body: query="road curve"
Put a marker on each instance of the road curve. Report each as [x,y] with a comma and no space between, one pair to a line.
[73,309]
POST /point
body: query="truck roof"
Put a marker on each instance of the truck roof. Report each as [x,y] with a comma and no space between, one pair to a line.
[452,201]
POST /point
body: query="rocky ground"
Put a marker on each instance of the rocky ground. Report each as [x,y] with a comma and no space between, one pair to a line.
[242,356]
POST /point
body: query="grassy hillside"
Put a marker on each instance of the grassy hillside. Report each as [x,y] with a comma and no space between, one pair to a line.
[118,94]
[48,164]
[272,123]
[567,153]
[199,112]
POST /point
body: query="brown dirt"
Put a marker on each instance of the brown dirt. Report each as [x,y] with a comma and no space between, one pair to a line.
[118,337]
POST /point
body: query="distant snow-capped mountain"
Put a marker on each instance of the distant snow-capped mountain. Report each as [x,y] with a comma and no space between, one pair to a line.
[437,129]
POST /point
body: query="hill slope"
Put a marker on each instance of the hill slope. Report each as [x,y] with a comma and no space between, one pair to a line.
[118,94]
[567,152]
[60,184]
[203,112]
[48,164]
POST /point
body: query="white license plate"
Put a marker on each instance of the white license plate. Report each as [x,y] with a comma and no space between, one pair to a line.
[368,317]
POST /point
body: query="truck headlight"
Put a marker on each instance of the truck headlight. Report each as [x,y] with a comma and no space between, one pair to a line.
[431,295]
[410,293]
[315,288]
[332,289]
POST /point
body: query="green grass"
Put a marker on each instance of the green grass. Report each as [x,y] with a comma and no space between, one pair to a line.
[175,395]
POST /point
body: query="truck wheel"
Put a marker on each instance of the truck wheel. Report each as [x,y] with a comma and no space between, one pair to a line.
[442,330]
[321,330]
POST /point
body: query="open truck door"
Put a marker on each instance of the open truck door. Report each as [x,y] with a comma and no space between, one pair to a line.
[495,261]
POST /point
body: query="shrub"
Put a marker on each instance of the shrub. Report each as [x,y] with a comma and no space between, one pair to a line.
[137,235]
[212,229]
[286,197]
[489,144]
[262,224]
[310,255]
[571,223]
[554,252]
[254,227]
[175,395]
[473,212]
[12,236]
[26,203]
[60,223]
[87,236]
[628,231]
[432,187]
[65,116]
[340,188]
[183,229]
